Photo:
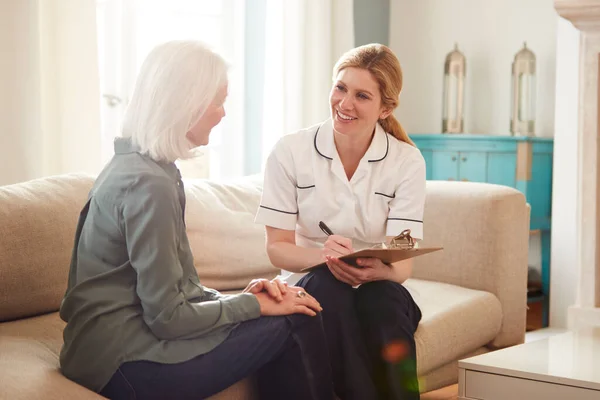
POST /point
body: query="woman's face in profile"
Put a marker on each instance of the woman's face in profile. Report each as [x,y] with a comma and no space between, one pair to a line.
[199,133]
[355,102]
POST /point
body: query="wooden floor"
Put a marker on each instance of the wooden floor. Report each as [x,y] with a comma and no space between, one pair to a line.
[534,316]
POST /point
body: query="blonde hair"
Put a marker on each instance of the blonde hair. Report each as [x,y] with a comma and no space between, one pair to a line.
[384,66]
[176,83]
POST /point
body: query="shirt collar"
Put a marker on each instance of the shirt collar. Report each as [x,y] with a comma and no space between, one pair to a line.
[325,145]
[124,145]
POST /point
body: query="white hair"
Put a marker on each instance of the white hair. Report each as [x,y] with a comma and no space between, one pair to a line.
[176,83]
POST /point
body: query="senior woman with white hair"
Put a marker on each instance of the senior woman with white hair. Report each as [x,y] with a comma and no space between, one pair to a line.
[139,323]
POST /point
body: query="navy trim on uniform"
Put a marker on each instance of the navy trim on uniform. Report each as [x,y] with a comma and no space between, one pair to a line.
[386,195]
[305,187]
[405,219]
[316,148]
[274,209]
[387,149]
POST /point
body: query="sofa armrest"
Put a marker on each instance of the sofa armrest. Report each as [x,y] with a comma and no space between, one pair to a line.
[484,229]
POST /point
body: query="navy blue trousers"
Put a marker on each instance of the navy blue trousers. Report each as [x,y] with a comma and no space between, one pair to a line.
[370,336]
[287,355]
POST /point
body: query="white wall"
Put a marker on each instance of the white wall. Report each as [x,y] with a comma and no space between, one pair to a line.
[564,273]
[489,33]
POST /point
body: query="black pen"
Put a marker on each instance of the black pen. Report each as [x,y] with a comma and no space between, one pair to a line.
[325,228]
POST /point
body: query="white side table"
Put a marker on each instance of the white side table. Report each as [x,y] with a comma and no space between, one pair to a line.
[566,366]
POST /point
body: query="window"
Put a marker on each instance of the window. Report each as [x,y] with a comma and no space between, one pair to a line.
[280,52]
[129,29]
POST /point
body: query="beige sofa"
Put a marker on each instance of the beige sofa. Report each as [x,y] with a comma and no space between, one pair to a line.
[472,294]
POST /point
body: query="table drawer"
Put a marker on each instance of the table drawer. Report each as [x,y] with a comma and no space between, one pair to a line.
[484,386]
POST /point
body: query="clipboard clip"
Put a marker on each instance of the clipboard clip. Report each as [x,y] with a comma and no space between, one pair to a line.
[403,241]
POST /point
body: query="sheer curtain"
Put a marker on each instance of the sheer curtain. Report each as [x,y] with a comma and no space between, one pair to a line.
[280,52]
[129,29]
[49,98]
[304,39]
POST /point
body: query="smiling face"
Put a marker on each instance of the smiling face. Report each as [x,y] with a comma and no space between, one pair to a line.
[199,133]
[355,102]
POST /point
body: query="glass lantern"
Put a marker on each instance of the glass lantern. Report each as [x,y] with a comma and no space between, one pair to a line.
[522,119]
[454,89]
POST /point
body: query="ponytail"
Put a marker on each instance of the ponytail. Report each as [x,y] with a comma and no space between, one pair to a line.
[392,125]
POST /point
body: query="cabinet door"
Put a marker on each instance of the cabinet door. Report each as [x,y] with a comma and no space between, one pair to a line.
[501,169]
[427,156]
[472,166]
[444,165]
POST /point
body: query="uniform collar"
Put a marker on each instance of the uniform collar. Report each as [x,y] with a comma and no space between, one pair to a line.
[325,145]
[124,145]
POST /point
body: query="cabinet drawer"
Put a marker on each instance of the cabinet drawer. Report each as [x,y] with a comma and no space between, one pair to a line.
[484,386]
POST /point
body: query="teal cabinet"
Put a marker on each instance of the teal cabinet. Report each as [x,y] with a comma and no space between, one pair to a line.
[522,163]
[444,165]
[472,166]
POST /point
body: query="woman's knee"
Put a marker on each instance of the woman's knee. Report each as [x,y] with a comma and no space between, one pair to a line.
[303,322]
[328,290]
[387,298]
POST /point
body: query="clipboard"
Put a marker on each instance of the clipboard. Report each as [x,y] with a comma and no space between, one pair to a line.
[402,247]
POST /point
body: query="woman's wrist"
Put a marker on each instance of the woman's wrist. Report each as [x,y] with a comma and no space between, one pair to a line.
[388,273]
[397,273]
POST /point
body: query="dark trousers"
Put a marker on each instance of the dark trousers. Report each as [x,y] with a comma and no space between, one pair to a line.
[288,355]
[370,335]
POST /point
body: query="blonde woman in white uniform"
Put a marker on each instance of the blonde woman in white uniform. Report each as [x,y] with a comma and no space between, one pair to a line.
[360,174]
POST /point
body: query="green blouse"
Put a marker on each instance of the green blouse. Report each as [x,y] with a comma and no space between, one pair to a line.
[133,291]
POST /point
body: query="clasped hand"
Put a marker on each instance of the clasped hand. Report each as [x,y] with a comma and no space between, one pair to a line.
[277,298]
[371,269]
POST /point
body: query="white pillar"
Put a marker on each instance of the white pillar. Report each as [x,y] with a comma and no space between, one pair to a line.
[574,262]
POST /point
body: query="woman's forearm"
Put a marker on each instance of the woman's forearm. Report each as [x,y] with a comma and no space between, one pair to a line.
[293,258]
[401,271]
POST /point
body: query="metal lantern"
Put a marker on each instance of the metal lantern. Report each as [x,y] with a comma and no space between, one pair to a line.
[454,91]
[522,121]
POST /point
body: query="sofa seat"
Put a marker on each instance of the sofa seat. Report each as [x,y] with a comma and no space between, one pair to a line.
[29,361]
[456,321]
[29,367]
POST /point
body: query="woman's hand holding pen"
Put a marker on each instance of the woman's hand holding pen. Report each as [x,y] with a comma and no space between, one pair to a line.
[337,246]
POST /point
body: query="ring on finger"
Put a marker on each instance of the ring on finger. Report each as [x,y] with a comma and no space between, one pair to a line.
[301,294]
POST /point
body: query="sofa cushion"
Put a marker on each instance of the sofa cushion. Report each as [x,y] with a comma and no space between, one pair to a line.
[228,247]
[29,366]
[455,321]
[29,361]
[37,226]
